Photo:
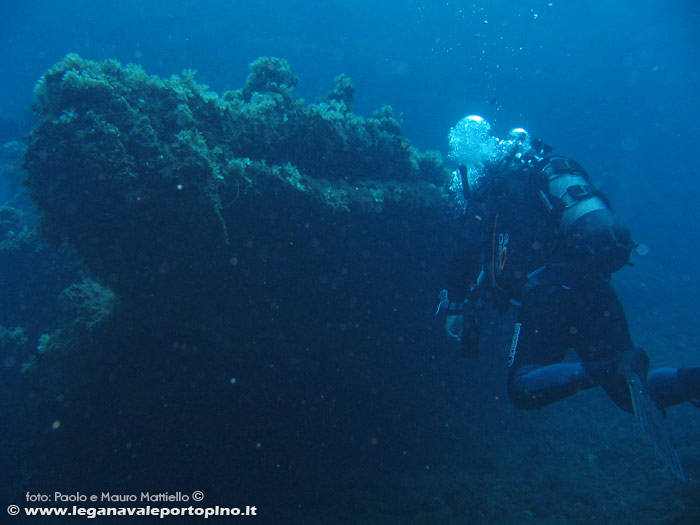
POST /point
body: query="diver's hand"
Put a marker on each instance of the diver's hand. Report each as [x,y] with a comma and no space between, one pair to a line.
[454,326]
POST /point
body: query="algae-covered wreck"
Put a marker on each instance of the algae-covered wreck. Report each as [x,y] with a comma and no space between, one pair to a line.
[250,266]
[160,184]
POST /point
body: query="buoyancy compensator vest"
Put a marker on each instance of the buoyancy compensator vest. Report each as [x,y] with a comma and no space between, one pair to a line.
[592,233]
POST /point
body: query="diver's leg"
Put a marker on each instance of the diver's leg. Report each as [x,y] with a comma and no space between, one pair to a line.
[603,342]
[536,375]
[536,387]
[673,386]
[608,355]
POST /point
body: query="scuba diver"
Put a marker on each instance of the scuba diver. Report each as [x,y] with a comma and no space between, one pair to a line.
[541,238]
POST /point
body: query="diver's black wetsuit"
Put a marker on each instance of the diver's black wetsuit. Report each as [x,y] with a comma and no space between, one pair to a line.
[563,300]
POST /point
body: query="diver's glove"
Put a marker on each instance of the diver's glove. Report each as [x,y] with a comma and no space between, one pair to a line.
[454,325]
[460,323]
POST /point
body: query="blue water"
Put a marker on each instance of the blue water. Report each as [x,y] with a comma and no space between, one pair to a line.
[612,84]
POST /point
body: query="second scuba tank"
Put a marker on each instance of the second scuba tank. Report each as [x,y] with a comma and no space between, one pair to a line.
[591,231]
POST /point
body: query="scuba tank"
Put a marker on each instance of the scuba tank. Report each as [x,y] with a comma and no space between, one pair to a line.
[591,231]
